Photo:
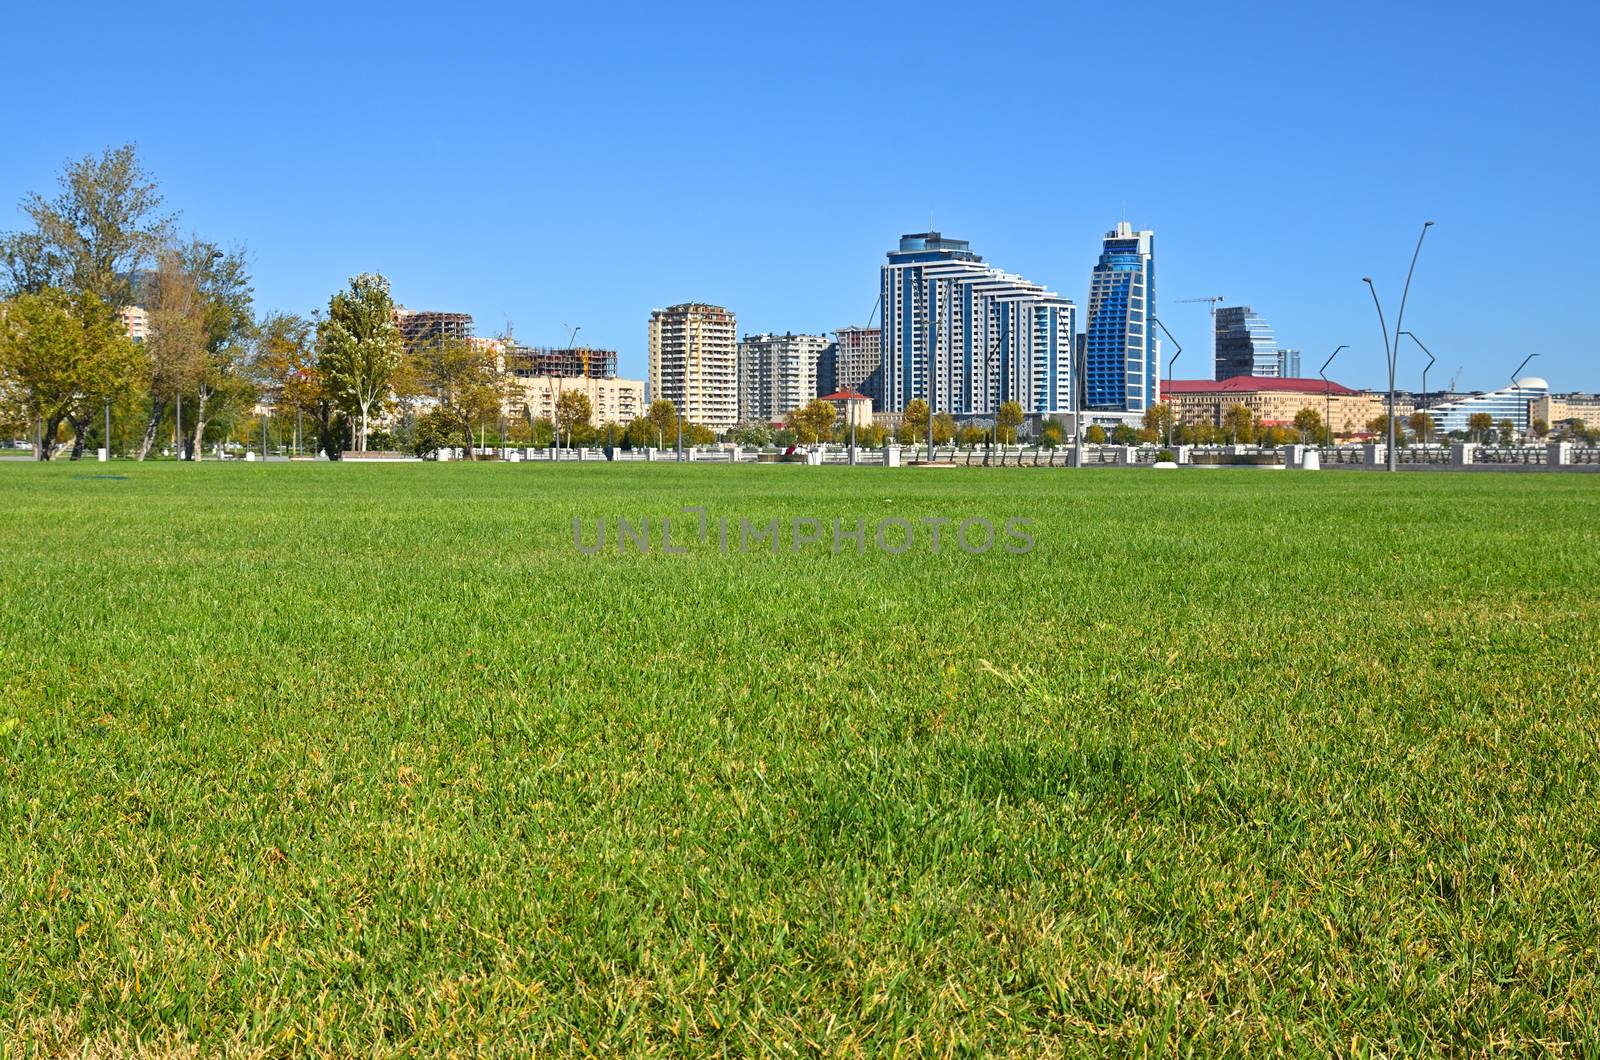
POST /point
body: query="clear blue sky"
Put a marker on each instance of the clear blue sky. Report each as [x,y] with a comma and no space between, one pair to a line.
[583,163]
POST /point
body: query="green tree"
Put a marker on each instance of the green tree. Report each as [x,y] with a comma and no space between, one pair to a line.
[1421,425]
[1159,421]
[572,408]
[463,381]
[1007,420]
[436,429]
[944,428]
[1095,435]
[219,300]
[1540,428]
[752,434]
[972,437]
[813,421]
[914,421]
[663,416]
[639,433]
[102,226]
[290,378]
[1507,429]
[1122,434]
[361,348]
[62,357]
[1480,424]
[1239,424]
[1308,421]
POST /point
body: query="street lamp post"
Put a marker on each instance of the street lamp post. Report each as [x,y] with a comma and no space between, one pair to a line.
[1327,391]
[1514,384]
[1175,356]
[1431,360]
[108,430]
[1392,349]
[1520,367]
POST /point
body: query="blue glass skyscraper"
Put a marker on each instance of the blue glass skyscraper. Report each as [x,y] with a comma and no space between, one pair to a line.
[1122,357]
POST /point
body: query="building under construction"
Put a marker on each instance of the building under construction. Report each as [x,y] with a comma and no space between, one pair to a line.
[421,328]
[576,362]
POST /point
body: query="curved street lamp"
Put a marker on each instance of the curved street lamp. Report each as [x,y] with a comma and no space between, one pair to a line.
[1171,415]
[1327,389]
[1392,349]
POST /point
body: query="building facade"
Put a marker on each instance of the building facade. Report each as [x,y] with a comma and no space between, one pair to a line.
[777,374]
[1564,408]
[1245,345]
[420,327]
[694,362]
[858,362]
[966,336]
[136,321]
[1508,403]
[1122,356]
[1275,402]
[611,400]
[566,362]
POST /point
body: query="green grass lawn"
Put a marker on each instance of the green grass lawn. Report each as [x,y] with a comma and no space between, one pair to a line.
[369,759]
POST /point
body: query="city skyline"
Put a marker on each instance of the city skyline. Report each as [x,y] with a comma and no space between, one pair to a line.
[541,214]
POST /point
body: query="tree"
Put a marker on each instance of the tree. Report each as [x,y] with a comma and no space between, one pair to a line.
[914,421]
[663,416]
[971,437]
[1421,425]
[1540,428]
[463,382]
[1050,437]
[1095,435]
[813,421]
[1507,429]
[1480,424]
[360,348]
[61,359]
[436,429]
[639,433]
[1308,421]
[752,434]
[1007,420]
[201,327]
[92,238]
[944,428]
[1122,434]
[1158,421]
[572,409]
[289,376]
[1239,424]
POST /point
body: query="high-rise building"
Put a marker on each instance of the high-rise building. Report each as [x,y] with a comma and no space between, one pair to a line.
[136,321]
[1288,363]
[422,327]
[694,362]
[563,362]
[777,374]
[858,362]
[1122,356]
[966,336]
[1246,346]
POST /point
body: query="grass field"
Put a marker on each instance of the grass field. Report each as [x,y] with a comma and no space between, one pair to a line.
[354,760]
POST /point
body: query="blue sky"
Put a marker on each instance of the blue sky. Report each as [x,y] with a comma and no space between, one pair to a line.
[583,163]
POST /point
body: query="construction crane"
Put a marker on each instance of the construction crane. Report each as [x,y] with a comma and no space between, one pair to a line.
[1213,307]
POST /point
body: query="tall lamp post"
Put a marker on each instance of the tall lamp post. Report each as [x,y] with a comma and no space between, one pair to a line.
[1431,360]
[1520,367]
[1327,390]
[1170,415]
[1514,384]
[1392,349]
